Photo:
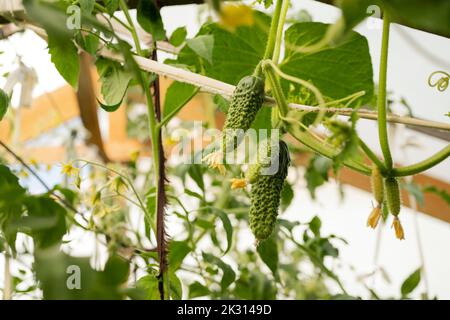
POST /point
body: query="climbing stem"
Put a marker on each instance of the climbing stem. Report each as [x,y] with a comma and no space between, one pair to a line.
[279,35]
[273,30]
[422,165]
[305,137]
[381,105]
[372,156]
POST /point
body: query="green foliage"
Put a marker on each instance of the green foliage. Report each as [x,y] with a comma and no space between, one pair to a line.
[316,173]
[337,71]
[115,80]
[203,46]
[178,37]
[150,20]
[4,103]
[410,283]
[177,95]
[57,273]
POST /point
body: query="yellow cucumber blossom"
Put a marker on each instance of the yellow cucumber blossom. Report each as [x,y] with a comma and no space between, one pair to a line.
[238,183]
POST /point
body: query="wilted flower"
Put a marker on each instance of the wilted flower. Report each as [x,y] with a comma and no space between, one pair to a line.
[398,229]
[374,217]
[214,160]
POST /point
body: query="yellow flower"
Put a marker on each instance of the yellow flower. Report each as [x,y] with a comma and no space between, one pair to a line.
[214,161]
[69,170]
[236,15]
[398,229]
[374,217]
[238,183]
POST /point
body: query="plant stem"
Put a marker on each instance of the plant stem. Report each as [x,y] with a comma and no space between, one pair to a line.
[382,123]
[422,165]
[279,36]
[132,29]
[273,31]
[372,156]
[306,137]
[155,136]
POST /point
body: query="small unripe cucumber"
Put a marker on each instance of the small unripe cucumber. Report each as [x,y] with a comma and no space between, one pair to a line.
[377,185]
[245,103]
[392,195]
[265,197]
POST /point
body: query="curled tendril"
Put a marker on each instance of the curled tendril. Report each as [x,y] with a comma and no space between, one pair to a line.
[441,83]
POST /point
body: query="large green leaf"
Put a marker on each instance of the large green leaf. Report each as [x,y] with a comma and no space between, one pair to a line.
[235,54]
[336,71]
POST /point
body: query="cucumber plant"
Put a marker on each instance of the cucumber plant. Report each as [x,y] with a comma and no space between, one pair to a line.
[326,67]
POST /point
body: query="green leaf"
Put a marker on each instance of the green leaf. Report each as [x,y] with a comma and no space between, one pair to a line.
[410,283]
[314,225]
[111,5]
[235,54]
[87,6]
[115,81]
[316,173]
[176,289]
[177,96]
[149,284]
[62,277]
[196,173]
[196,289]
[88,42]
[178,36]
[268,251]
[203,46]
[221,103]
[227,226]
[64,55]
[45,219]
[287,195]
[228,275]
[431,16]
[4,103]
[178,250]
[116,270]
[354,11]
[337,71]
[150,20]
